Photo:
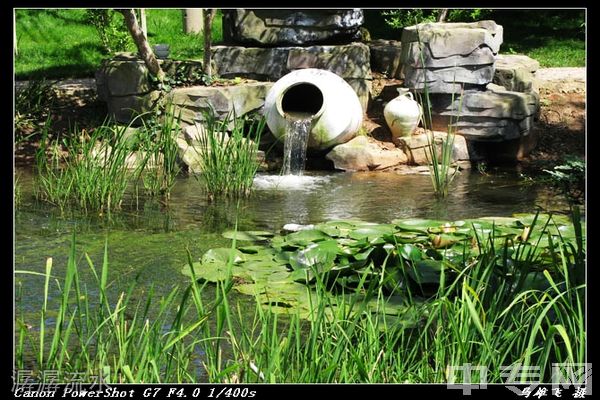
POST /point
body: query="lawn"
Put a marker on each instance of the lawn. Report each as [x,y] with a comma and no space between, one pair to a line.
[59,43]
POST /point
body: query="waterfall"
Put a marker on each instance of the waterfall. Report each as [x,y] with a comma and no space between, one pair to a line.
[298,126]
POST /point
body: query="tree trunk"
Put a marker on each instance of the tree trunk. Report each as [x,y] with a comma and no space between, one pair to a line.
[192,20]
[443,15]
[142,44]
[143,24]
[15,33]
[208,16]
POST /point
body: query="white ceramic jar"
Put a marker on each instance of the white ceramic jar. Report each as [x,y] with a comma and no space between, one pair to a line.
[322,95]
[402,114]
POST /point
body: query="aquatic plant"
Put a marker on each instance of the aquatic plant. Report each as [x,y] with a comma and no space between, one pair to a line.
[440,162]
[229,162]
[92,172]
[516,297]
[158,143]
[569,178]
[503,307]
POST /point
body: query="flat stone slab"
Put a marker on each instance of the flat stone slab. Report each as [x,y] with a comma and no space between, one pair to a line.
[271,27]
[416,146]
[448,79]
[495,102]
[492,115]
[239,99]
[515,72]
[445,39]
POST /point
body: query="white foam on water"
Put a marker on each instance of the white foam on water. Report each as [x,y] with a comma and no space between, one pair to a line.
[289,182]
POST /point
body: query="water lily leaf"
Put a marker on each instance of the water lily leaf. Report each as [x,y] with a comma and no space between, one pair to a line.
[410,252]
[253,236]
[418,225]
[501,221]
[211,272]
[363,255]
[331,230]
[305,276]
[321,254]
[444,240]
[306,237]
[372,232]
[222,255]
[527,219]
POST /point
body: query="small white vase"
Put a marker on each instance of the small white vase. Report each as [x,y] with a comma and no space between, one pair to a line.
[402,114]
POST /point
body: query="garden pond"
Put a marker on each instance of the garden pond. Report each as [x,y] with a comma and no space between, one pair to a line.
[148,241]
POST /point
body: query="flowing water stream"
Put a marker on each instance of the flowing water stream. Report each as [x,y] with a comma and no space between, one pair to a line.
[296,140]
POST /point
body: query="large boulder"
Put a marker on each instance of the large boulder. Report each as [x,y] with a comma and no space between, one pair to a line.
[515,72]
[273,27]
[351,62]
[446,56]
[124,84]
[417,146]
[366,154]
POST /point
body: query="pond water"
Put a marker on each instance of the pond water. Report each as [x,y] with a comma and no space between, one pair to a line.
[148,241]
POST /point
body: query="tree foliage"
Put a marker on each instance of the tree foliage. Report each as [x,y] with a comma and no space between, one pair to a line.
[111,28]
[400,18]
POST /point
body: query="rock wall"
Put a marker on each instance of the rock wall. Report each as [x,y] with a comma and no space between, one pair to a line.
[124,84]
[446,56]
[350,61]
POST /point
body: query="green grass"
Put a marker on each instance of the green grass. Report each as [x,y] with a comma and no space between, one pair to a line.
[58,43]
[552,52]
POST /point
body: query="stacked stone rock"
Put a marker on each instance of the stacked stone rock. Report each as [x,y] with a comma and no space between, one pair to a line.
[268,44]
[459,58]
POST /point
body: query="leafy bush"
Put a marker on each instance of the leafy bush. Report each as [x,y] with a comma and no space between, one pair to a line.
[398,19]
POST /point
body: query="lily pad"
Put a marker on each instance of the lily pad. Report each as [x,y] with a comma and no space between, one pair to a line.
[222,255]
[253,236]
[418,225]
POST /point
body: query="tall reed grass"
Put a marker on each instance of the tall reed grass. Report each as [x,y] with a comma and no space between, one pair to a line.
[229,162]
[440,161]
[93,170]
[160,163]
[488,313]
[116,339]
[92,173]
